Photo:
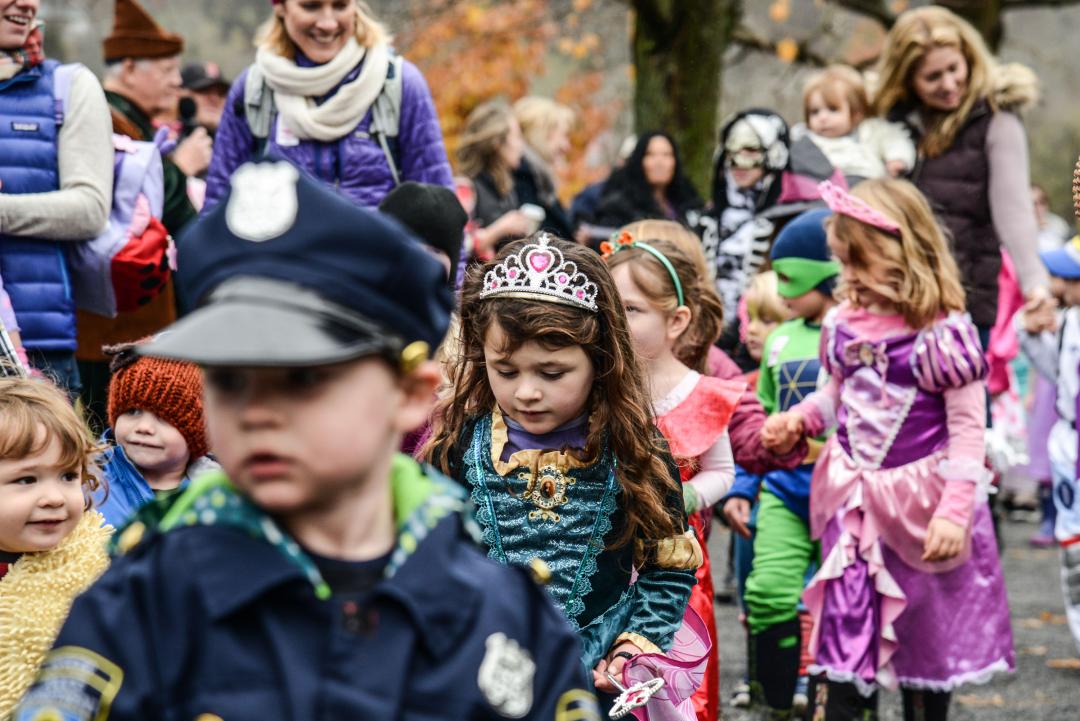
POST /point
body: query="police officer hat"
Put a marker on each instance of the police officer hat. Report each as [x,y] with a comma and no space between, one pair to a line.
[286,272]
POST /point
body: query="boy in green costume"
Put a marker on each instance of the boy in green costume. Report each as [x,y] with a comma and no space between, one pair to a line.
[783,550]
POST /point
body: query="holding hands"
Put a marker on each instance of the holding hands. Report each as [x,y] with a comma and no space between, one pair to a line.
[1039,312]
[781,432]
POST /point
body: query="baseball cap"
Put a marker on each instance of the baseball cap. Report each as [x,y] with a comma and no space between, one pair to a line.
[801,257]
[1065,261]
[203,76]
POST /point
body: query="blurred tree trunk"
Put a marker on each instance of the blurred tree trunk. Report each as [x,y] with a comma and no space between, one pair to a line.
[678,55]
[984,15]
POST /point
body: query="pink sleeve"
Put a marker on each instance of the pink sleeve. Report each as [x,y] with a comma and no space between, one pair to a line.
[819,408]
[964,470]
[965,411]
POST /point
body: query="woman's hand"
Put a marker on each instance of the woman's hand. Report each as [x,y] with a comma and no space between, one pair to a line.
[513,224]
[613,663]
[1038,312]
[944,540]
[737,513]
[781,432]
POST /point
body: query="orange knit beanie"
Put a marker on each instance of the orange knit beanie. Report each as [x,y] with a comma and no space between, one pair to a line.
[171,390]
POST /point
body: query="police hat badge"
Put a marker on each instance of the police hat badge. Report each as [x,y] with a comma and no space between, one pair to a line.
[263,202]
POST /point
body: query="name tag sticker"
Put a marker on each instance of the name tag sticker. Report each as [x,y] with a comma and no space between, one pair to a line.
[284,137]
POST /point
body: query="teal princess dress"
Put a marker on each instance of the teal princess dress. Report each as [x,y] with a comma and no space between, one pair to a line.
[567,514]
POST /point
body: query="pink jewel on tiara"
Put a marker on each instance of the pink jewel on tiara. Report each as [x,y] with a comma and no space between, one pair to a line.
[539,270]
[843,202]
[539,261]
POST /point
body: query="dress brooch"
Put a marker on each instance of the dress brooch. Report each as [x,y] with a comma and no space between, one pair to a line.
[547,492]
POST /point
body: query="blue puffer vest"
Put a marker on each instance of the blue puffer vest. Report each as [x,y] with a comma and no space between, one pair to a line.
[34,271]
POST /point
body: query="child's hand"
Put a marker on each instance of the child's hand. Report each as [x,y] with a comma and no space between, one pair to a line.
[613,664]
[691,499]
[781,432]
[895,168]
[944,540]
[737,513]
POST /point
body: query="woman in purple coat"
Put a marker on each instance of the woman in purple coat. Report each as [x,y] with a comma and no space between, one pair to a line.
[328,94]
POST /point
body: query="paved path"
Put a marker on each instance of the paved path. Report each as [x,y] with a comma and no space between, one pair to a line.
[1041,690]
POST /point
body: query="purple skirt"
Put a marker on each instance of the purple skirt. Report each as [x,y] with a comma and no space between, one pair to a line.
[881,622]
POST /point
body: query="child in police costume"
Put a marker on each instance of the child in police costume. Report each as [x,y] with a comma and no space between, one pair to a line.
[319,575]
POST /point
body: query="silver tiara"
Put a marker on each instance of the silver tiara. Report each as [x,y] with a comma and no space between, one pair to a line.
[539,271]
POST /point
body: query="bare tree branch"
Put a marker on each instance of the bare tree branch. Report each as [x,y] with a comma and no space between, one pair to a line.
[876,9]
[1019,4]
[747,38]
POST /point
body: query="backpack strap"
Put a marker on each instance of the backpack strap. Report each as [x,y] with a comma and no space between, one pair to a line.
[62,78]
[386,116]
[259,108]
[259,111]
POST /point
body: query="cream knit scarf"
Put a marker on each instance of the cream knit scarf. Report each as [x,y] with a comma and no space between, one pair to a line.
[295,87]
[35,597]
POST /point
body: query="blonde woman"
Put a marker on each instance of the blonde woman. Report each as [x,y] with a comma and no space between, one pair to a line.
[321,70]
[545,125]
[938,77]
[490,150]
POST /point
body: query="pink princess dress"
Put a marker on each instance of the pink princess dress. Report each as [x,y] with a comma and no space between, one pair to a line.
[909,409]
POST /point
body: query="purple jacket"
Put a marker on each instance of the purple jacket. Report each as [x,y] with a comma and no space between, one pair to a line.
[355,163]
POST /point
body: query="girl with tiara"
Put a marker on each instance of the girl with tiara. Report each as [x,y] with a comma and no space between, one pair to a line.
[548,425]
[910,589]
[675,316]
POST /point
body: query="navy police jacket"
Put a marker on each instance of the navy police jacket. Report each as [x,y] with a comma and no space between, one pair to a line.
[224,621]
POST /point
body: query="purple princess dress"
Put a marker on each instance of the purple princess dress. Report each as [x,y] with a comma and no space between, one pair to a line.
[909,409]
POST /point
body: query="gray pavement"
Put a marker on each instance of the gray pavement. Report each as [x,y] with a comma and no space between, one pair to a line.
[1046,685]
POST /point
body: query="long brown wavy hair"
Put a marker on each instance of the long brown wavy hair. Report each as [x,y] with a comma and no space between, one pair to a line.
[706,309]
[618,403]
[915,272]
[480,145]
